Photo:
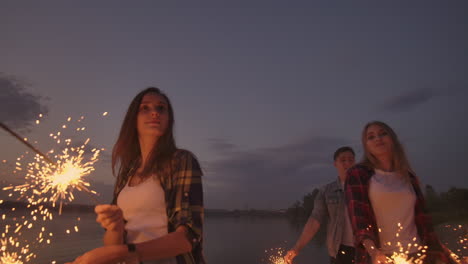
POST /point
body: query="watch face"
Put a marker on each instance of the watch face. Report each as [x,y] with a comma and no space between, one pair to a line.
[131,247]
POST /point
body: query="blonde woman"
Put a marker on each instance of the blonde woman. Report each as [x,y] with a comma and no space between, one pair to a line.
[384,199]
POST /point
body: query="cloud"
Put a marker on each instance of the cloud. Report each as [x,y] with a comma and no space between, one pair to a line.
[220,145]
[409,100]
[269,177]
[18,107]
[416,97]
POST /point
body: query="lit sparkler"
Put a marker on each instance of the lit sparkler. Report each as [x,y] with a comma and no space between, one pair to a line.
[46,182]
[49,181]
[24,141]
[402,255]
[459,246]
[12,253]
[276,256]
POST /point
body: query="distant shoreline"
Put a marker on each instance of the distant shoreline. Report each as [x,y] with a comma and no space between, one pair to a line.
[84,208]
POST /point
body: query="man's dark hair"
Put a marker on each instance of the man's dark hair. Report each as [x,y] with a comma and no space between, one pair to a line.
[341,150]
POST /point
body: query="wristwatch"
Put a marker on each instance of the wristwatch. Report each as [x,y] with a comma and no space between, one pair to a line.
[131,247]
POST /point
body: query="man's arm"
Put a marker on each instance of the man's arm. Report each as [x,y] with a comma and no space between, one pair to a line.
[309,231]
[318,214]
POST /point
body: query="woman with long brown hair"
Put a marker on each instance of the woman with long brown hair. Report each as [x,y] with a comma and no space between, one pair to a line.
[386,205]
[156,215]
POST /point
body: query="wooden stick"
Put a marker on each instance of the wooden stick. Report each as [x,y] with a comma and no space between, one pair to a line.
[25,142]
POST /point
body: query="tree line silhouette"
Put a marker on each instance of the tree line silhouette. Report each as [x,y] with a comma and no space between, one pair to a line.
[448,206]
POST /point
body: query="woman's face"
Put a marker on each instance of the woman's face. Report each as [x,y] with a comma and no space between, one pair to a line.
[378,141]
[153,116]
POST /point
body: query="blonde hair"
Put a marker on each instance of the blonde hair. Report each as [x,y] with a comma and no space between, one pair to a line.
[400,163]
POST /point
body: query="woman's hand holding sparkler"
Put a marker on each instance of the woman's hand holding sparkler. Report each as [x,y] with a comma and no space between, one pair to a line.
[378,257]
[110,217]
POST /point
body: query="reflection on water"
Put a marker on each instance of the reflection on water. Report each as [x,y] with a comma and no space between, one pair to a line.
[65,242]
[228,240]
[245,240]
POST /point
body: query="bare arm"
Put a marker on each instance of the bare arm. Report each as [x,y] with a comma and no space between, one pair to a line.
[170,245]
[310,228]
[369,245]
[309,231]
[112,237]
[318,215]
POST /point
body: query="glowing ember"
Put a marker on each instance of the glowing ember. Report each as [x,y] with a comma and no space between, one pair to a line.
[68,176]
[398,259]
[8,258]
[402,258]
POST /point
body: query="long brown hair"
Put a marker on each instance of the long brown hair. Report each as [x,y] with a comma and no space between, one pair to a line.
[126,154]
[400,163]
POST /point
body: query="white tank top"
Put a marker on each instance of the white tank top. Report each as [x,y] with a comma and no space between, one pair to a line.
[393,201]
[144,209]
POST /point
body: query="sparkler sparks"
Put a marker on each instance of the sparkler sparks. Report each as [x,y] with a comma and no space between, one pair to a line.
[400,259]
[418,255]
[48,179]
[276,256]
[13,253]
[10,258]
[56,182]
[459,245]
[402,255]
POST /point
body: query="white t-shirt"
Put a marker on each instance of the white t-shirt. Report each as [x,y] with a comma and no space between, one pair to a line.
[144,209]
[393,200]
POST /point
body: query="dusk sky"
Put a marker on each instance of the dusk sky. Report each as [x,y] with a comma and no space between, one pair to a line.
[264,91]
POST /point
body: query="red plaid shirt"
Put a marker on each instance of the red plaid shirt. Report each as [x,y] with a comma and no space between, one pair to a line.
[364,223]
